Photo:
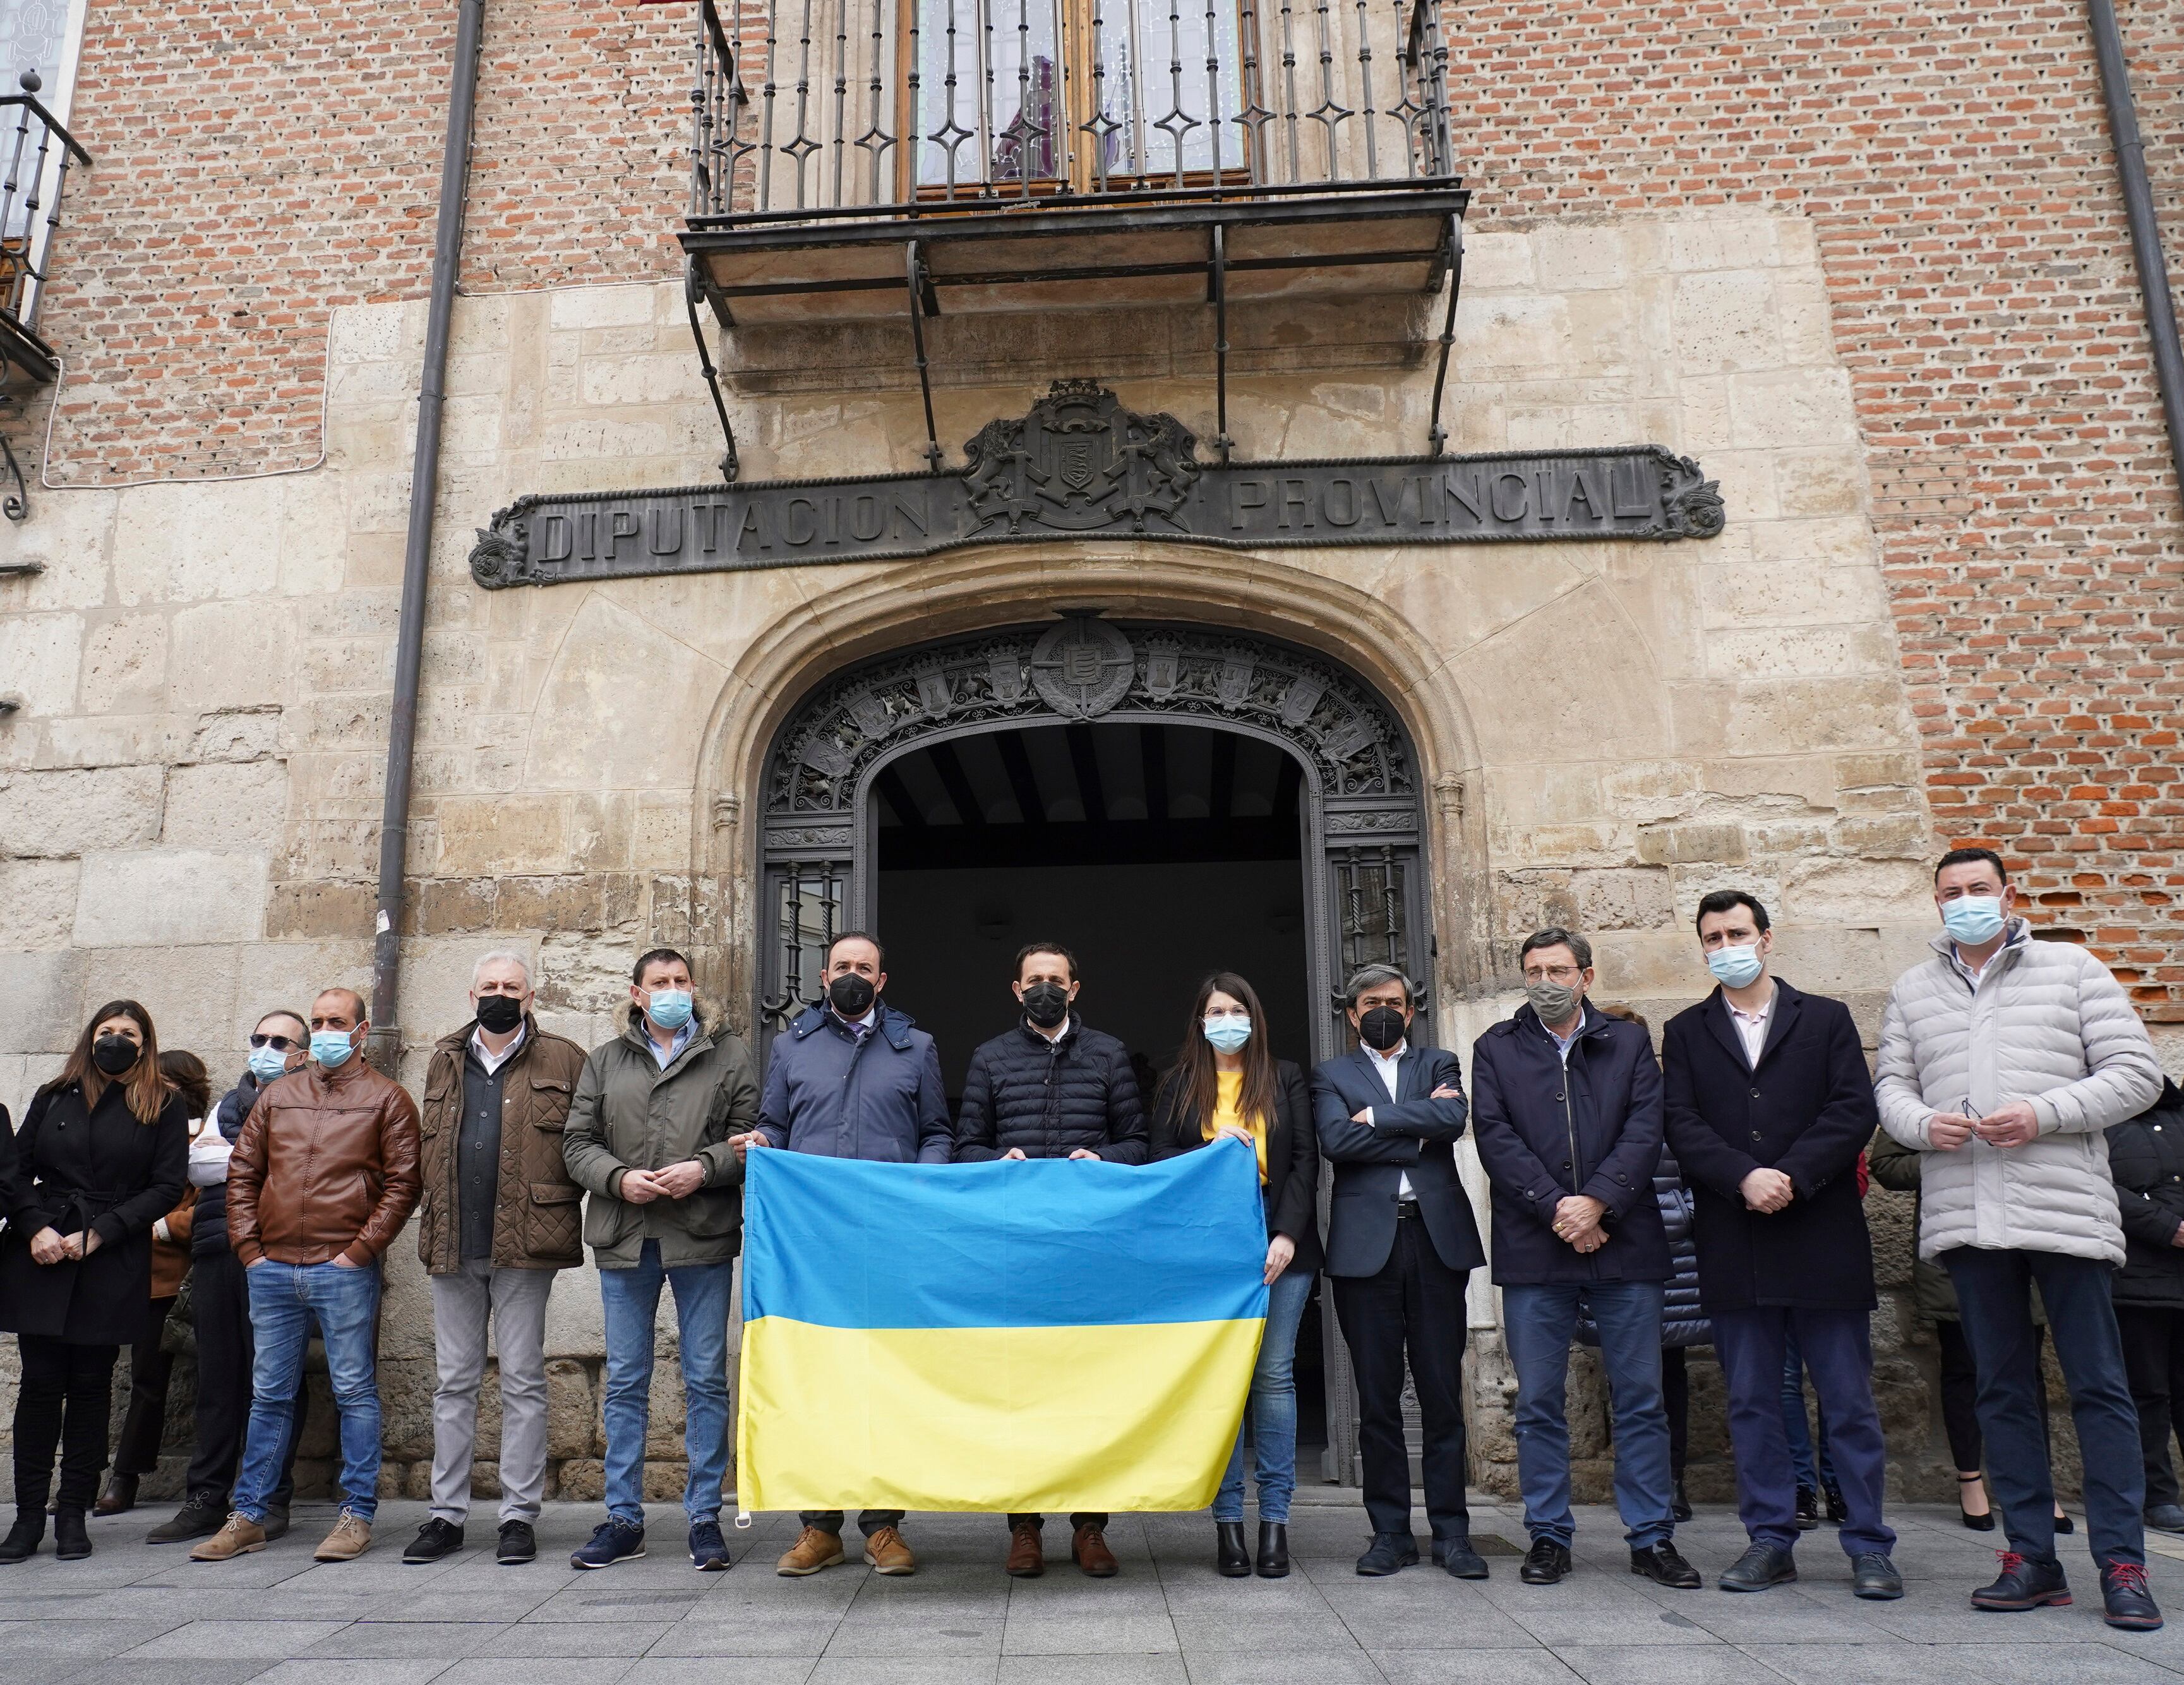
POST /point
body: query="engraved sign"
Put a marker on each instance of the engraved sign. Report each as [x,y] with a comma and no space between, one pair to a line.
[1081,465]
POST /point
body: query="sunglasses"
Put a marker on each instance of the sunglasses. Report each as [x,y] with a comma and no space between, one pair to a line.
[279,1043]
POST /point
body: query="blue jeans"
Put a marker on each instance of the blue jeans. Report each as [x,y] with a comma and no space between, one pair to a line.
[1808,1459]
[1272,1413]
[1994,1289]
[702,1294]
[1541,1321]
[284,1299]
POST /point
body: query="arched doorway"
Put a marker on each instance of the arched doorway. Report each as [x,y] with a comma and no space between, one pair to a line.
[1167,797]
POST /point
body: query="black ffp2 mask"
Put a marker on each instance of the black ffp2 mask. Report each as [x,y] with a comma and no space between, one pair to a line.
[498,1014]
[851,996]
[1381,1029]
[115,1054]
[1046,1004]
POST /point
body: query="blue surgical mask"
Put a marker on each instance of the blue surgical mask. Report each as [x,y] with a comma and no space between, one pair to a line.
[267,1062]
[1736,967]
[331,1047]
[1972,918]
[1226,1032]
[669,1008]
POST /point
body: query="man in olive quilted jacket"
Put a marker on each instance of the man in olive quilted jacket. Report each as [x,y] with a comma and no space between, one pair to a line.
[499,1215]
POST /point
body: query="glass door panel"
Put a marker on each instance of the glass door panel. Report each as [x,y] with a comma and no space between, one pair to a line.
[989,104]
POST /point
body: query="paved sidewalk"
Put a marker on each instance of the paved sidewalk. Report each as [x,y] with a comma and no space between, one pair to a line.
[137,1616]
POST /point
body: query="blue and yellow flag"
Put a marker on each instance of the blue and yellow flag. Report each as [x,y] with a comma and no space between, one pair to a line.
[1041,1335]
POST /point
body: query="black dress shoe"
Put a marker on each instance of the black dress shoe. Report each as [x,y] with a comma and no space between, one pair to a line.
[1761,1565]
[1664,1566]
[518,1544]
[1230,1558]
[2127,1602]
[72,1539]
[193,1520]
[1872,1575]
[437,1538]
[2165,1518]
[2023,1584]
[1838,1512]
[1273,1550]
[1387,1552]
[2064,1524]
[22,1541]
[1680,1506]
[1458,1558]
[1808,1509]
[1546,1563]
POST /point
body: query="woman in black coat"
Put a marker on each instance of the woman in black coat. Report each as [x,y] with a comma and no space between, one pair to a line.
[2145,1156]
[1226,1081]
[101,1158]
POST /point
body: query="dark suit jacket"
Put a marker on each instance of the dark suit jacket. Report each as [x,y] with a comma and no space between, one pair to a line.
[1412,1134]
[1292,1190]
[1806,1110]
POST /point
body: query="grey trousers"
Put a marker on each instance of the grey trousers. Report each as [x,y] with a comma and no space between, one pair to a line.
[513,1301]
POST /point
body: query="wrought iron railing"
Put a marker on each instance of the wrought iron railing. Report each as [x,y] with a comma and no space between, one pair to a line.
[815,110]
[39,153]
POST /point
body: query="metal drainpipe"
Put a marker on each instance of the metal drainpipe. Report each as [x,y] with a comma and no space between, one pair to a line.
[385,1043]
[2145,231]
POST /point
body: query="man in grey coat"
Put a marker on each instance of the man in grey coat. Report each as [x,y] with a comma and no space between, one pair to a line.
[648,1137]
[854,1078]
[2003,1060]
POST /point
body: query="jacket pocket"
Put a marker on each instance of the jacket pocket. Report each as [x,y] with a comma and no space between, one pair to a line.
[550,1098]
[712,1213]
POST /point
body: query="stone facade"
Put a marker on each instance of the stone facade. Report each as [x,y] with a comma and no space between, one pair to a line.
[1943,606]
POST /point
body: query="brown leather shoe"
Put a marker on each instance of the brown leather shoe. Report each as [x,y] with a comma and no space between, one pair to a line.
[812,1551]
[1088,1549]
[887,1554]
[240,1536]
[118,1497]
[1026,1553]
[350,1538]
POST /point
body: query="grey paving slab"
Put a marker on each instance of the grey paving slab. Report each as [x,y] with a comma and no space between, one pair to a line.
[1788,1615]
[1473,1667]
[751,1635]
[2078,1663]
[765,1670]
[278,1639]
[404,1640]
[169,1670]
[1320,1630]
[950,1669]
[383,1671]
[1089,1634]
[1661,1629]
[77,1640]
[1664,1665]
[575,1638]
[436,1605]
[958,1633]
[1094,1670]
[1281,1667]
[551,1671]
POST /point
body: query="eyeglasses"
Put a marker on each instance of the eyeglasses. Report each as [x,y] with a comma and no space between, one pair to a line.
[1227,1012]
[279,1043]
[1556,974]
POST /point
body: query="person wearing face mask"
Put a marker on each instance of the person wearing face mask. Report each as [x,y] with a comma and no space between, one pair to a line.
[322,1179]
[219,1306]
[1227,1081]
[102,1156]
[1052,1087]
[853,1078]
[1567,1106]
[1768,1105]
[497,1218]
[651,1139]
[2003,1062]
[1401,1243]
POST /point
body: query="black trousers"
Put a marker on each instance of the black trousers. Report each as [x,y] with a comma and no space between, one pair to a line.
[1960,1395]
[1676,1400]
[1413,1308]
[2154,1359]
[151,1367]
[62,1404]
[226,1351]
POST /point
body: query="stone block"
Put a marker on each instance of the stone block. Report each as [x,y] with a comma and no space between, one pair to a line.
[190,541]
[1901,834]
[170,896]
[1633,899]
[70,534]
[1683,844]
[41,658]
[1772,652]
[1725,321]
[1617,710]
[315,910]
[236,734]
[1793,589]
[227,805]
[56,814]
[1796,407]
[617,306]
[524,834]
[38,904]
[190,992]
[1569,254]
[1821,483]
[38,1001]
[230,655]
[571,1410]
[124,664]
[1778,717]
[590,718]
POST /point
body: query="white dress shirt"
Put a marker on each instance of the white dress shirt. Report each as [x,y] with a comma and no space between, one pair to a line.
[1751,1027]
[491,1060]
[1385,1064]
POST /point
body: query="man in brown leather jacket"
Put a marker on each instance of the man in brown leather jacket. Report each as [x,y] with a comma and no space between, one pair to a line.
[321,1182]
[498,1218]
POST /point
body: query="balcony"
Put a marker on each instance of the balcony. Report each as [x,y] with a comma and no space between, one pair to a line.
[854,159]
[39,153]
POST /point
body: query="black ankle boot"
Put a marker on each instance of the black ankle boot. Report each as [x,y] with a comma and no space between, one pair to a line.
[1273,1550]
[22,1541]
[71,1539]
[1229,1556]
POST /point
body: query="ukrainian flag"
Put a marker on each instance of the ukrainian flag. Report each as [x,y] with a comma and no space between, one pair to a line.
[1050,1335]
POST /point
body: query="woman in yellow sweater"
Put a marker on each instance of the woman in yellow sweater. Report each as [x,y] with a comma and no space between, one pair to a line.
[1226,1081]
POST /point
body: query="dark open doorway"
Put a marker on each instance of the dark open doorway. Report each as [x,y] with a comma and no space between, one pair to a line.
[1155,853]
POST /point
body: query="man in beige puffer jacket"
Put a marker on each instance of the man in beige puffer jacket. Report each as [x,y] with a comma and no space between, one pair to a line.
[2003,1060]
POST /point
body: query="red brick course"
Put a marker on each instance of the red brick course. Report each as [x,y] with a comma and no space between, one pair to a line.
[257,166]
